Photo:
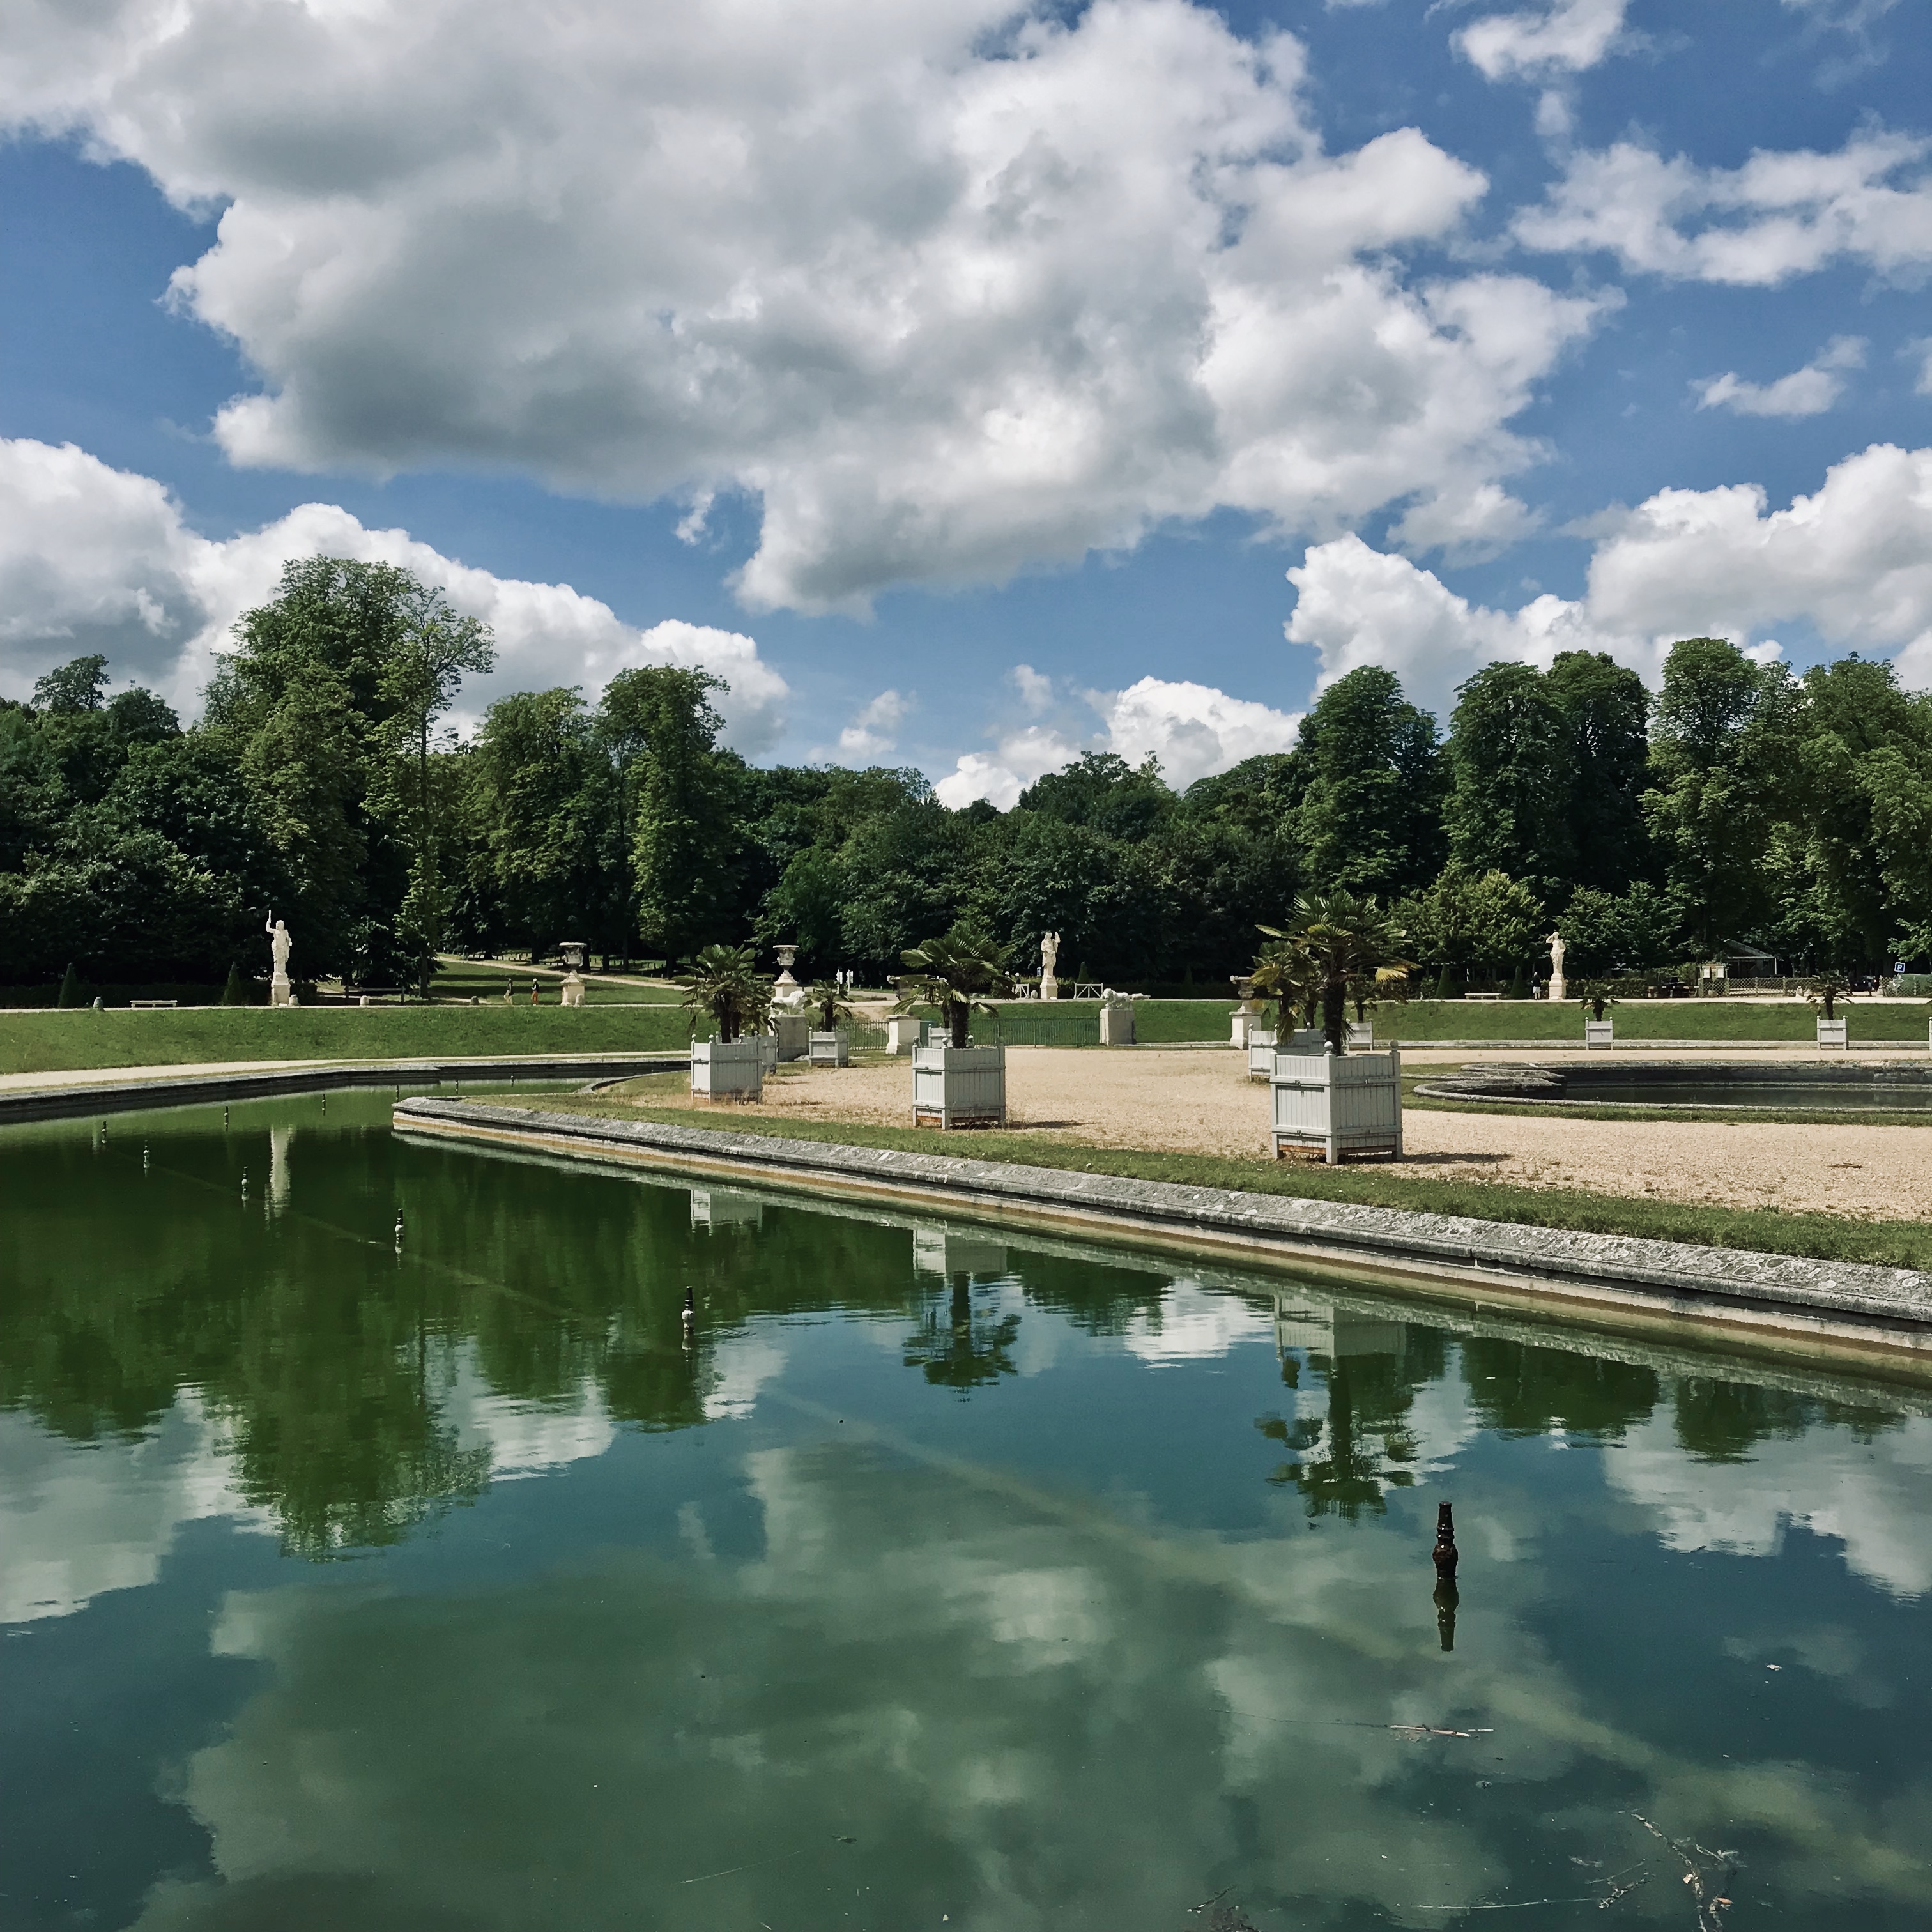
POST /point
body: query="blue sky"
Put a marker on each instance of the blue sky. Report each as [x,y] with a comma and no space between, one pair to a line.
[867,353]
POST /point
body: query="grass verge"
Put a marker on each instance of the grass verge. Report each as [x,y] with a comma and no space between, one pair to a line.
[189,1036]
[1580,1110]
[1766,1231]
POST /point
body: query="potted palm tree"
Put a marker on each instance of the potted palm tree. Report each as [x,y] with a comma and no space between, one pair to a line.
[1593,996]
[1826,989]
[1341,1101]
[725,988]
[1284,973]
[954,1083]
[830,1043]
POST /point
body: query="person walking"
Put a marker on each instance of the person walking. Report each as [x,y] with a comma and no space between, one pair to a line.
[536,987]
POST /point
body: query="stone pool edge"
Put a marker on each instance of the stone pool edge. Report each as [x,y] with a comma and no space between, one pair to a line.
[1887,1311]
[110,1095]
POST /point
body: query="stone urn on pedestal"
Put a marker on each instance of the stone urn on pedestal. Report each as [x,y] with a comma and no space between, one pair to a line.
[1246,1013]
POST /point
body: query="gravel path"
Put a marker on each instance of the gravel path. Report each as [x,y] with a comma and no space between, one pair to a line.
[1199,1103]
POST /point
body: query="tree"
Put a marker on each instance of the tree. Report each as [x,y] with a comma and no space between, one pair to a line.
[1509,755]
[69,994]
[1367,817]
[1606,710]
[956,974]
[425,670]
[539,790]
[1715,778]
[1634,932]
[1466,919]
[661,730]
[76,686]
[725,987]
[1102,790]
[1348,941]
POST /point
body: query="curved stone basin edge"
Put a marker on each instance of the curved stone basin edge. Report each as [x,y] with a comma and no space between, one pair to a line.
[121,1096]
[1780,1298]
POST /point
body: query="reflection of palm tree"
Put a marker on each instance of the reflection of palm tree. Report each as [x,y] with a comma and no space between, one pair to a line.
[965,1350]
[1350,1477]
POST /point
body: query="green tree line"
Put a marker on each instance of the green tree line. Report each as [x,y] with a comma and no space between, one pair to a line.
[1740,805]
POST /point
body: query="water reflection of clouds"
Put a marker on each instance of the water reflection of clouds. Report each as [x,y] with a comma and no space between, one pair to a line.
[1874,1497]
[1193,1323]
[76,1522]
[1026,1710]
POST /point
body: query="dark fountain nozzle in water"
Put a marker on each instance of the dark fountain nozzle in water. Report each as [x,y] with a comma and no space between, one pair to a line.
[1444,1554]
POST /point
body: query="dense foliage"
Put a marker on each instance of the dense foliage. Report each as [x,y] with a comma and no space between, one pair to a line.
[1740,805]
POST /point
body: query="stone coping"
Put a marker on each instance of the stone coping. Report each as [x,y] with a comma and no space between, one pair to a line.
[154,1089]
[1889,1308]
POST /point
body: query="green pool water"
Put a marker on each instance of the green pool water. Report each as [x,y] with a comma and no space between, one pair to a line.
[945,1579]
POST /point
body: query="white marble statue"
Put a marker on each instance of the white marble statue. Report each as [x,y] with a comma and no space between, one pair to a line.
[1049,954]
[280,945]
[1556,988]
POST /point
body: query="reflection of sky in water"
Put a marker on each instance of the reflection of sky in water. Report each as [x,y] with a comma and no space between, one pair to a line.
[937,1575]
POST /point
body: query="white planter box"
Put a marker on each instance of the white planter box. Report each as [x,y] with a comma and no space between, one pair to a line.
[735,1070]
[1341,1102]
[903,1033]
[1600,1033]
[789,1033]
[959,1086]
[1361,1036]
[831,1049]
[1831,1034]
[1117,1023]
[1263,1048]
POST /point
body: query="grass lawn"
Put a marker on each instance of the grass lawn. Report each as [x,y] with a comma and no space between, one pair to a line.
[1822,1237]
[1158,1020]
[1582,1110]
[466,979]
[57,1042]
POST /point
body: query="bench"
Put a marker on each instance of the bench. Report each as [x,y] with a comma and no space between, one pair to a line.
[151,1004]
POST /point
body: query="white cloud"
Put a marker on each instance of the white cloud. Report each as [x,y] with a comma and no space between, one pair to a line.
[93,559]
[946,293]
[1192,729]
[1808,392]
[1780,214]
[1854,561]
[1921,350]
[1568,37]
[1194,1324]
[871,734]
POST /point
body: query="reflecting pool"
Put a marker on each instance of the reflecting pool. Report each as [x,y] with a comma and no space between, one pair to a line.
[942,1578]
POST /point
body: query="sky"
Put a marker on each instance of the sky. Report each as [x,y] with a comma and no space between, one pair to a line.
[970,386]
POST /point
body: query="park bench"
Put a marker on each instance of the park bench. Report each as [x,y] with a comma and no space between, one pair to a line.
[154,1002]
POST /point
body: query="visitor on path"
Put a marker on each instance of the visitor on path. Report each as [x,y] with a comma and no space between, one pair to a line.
[536,988]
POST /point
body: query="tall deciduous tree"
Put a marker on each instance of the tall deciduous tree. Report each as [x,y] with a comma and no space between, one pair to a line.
[1715,783]
[1510,761]
[662,730]
[1368,815]
[1607,710]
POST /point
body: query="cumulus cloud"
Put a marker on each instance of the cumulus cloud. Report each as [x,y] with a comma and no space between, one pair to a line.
[1566,38]
[93,559]
[1780,214]
[943,292]
[1192,729]
[1808,392]
[1854,561]
[873,732]
[1921,351]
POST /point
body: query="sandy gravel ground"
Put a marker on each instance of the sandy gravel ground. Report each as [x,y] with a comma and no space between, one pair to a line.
[1199,1103]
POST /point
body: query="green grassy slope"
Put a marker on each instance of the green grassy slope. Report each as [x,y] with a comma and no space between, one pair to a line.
[52,1043]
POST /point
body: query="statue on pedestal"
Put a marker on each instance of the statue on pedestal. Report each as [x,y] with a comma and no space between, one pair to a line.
[1556,989]
[786,991]
[1049,959]
[280,992]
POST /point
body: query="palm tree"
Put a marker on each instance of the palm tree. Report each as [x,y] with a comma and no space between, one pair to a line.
[1824,988]
[1284,973]
[1593,996]
[827,998]
[955,972]
[724,986]
[1348,940]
